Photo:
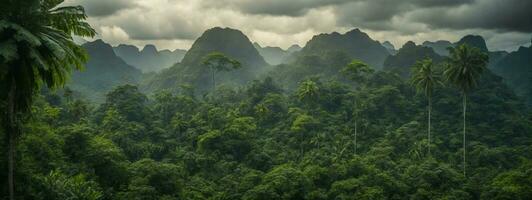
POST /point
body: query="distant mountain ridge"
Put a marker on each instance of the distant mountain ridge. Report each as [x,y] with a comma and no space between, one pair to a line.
[103,71]
[272,55]
[148,59]
[230,42]
[407,56]
[276,55]
[355,43]
[323,55]
[389,46]
[474,41]
[516,69]
[294,48]
[440,46]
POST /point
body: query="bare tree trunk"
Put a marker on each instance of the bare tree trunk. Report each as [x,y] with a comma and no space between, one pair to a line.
[464,135]
[11,129]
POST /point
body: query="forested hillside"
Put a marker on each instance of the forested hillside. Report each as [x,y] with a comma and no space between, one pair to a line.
[355,44]
[192,71]
[343,117]
[262,142]
[516,69]
[103,72]
[402,62]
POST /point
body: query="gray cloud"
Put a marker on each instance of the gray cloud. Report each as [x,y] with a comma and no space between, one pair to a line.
[274,7]
[508,15]
[390,14]
[142,27]
[102,8]
[176,23]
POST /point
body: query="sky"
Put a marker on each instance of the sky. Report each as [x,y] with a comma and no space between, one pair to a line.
[172,24]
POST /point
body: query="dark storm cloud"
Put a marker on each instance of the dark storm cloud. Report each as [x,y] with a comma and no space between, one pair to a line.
[102,8]
[301,7]
[387,14]
[291,8]
[438,3]
[284,22]
[508,15]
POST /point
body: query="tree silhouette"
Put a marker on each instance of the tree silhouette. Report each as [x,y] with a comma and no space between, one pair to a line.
[424,79]
[217,62]
[465,66]
[359,72]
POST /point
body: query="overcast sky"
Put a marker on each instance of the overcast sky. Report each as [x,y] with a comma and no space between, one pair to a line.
[171,24]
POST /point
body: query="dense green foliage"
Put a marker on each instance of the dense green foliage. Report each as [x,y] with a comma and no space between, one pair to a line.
[263,142]
[36,48]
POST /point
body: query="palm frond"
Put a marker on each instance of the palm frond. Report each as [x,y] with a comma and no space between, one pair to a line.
[37,45]
[464,66]
[425,77]
[50,4]
[70,19]
[8,52]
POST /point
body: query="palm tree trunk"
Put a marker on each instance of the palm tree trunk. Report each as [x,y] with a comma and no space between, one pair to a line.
[11,130]
[464,135]
[430,109]
[356,126]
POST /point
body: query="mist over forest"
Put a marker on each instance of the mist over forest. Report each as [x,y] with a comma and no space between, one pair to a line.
[96,107]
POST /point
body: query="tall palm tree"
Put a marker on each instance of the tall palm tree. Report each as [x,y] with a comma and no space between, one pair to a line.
[424,79]
[37,48]
[308,92]
[465,66]
[217,62]
[359,72]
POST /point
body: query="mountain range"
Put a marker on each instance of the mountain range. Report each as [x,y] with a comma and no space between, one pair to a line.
[324,55]
[516,69]
[102,72]
[232,43]
[149,59]
[401,63]
[275,55]
[355,44]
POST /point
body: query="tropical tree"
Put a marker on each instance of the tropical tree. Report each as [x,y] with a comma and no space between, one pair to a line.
[308,92]
[36,48]
[424,79]
[218,62]
[464,67]
[359,72]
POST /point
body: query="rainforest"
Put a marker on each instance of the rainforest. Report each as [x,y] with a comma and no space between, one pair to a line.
[260,100]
